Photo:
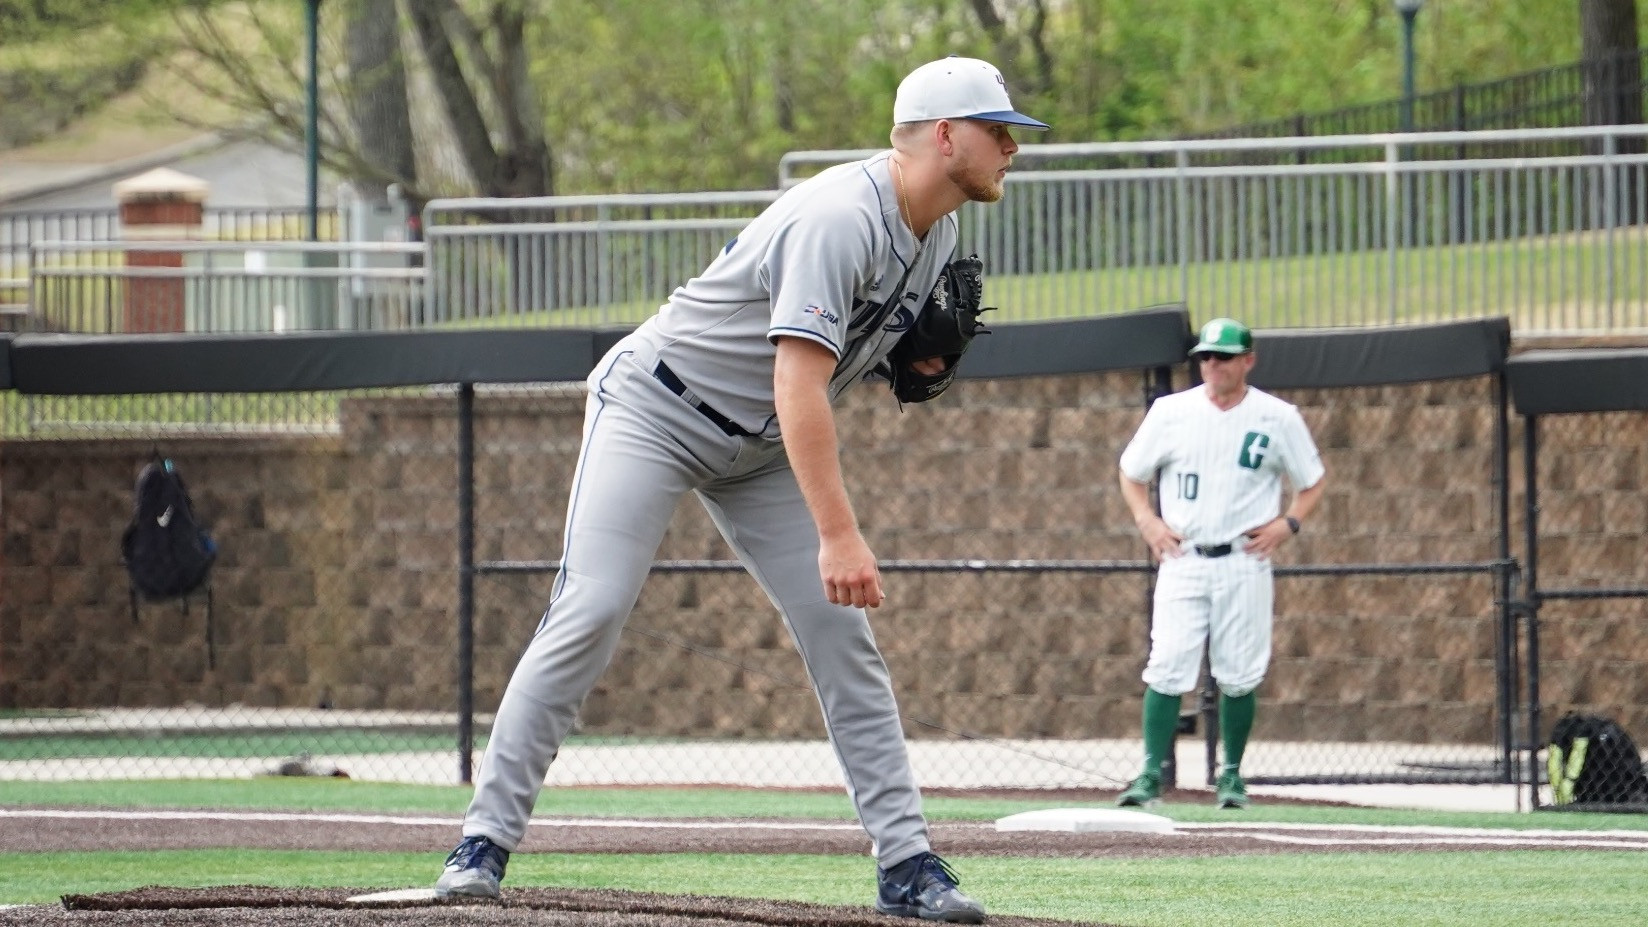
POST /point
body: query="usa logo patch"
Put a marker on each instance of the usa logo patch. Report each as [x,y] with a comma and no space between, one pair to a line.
[823,313]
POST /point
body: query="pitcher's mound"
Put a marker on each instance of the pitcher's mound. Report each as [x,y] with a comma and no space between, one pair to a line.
[262,906]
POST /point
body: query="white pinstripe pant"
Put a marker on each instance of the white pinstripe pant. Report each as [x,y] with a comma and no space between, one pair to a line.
[1223,601]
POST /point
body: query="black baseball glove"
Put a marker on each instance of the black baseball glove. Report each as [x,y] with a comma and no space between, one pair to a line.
[945,327]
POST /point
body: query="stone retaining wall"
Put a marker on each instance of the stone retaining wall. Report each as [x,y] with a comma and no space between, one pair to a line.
[337,580]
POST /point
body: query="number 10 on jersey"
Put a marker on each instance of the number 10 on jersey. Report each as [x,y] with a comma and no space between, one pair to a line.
[1188,484]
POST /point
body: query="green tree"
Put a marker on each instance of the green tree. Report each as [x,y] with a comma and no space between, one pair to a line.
[484,133]
[510,97]
[31,20]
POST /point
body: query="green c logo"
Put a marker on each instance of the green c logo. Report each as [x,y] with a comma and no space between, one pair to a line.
[1253,446]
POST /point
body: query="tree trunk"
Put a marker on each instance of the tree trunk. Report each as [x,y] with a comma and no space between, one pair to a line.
[1031,77]
[1612,78]
[457,98]
[526,168]
[1612,69]
[377,104]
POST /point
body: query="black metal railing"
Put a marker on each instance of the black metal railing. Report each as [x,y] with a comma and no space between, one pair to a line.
[1603,90]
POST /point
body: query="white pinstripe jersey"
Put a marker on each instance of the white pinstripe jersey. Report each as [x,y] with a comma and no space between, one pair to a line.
[1221,470]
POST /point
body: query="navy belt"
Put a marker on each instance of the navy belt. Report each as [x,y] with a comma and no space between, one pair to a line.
[1215,552]
[667,377]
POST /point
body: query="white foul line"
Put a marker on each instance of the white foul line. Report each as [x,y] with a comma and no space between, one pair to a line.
[1445,841]
[1396,835]
[307,817]
[1420,829]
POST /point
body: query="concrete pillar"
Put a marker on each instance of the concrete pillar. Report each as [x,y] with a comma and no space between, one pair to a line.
[161,205]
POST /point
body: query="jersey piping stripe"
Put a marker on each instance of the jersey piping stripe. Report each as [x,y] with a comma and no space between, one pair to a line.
[879,316]
[891,238]
[572,503]
[809,334]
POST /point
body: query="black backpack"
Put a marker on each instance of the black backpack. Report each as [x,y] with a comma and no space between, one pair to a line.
[167,554]
[1591,760]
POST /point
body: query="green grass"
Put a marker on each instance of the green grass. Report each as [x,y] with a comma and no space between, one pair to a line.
[305,794]
[1541,281]
[1538,281]
[10,714]
[308,412]
[1514,889]
[1529,889]
[277,793]
[239,744]
[252,742]
[1550,283]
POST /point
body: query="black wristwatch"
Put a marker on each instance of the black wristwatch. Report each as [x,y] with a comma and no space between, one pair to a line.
[1293,523]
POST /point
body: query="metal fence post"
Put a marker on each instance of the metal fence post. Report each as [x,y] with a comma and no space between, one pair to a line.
[208,308]
[1505,671]
[604,260]
[1393,206]
[466,582]
[1530,604]
[35,289]
[1610,216]
[1181,192]
[1461,122]
[1158,383]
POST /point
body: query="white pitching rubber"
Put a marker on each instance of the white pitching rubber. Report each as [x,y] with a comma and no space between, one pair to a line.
[395,896]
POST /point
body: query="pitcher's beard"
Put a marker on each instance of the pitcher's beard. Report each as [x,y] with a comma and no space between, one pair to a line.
[987,191]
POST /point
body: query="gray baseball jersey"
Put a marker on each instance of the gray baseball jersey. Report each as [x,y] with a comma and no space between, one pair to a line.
[685,404]
[830,261]
[1221,473]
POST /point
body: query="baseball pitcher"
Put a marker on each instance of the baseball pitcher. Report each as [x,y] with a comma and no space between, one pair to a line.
[727,394]
[1220,450]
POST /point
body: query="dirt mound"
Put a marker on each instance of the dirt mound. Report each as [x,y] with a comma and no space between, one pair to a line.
[258,906]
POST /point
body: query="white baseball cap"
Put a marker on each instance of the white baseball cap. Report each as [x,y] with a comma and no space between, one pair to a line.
[957,88]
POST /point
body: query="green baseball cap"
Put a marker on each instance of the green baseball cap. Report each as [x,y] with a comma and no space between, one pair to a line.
[1224,336]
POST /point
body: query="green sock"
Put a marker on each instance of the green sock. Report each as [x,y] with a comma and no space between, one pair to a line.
[1235,723]
[1161,720]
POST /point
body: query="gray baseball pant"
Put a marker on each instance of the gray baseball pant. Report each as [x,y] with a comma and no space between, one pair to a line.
[644,448]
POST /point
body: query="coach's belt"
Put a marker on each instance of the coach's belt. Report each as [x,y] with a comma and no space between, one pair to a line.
[1220,550]
[667,377]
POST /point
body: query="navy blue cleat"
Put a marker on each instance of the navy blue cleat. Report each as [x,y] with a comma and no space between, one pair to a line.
[924,886]
[473,870]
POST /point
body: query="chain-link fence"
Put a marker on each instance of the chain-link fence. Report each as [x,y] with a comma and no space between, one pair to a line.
[352,550]
[1587,607]
[326,637]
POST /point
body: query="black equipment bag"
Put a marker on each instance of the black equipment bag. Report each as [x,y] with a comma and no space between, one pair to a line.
[1591,760]
[167,554]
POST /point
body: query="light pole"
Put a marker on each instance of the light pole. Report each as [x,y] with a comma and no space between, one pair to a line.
[311,21]
[1409,10]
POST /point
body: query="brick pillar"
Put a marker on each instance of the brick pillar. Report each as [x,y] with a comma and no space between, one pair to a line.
[161,205]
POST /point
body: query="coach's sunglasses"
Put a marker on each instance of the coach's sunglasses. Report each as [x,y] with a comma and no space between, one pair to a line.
[1206,356]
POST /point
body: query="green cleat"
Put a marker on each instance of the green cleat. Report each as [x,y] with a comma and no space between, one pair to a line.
[1143,792]
[1230,792]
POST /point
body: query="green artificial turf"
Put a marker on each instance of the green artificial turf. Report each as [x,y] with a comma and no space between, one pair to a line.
[1522,889]
[323,794]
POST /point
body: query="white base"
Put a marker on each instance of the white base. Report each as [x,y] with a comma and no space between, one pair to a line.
[1087,820]
[395,895]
